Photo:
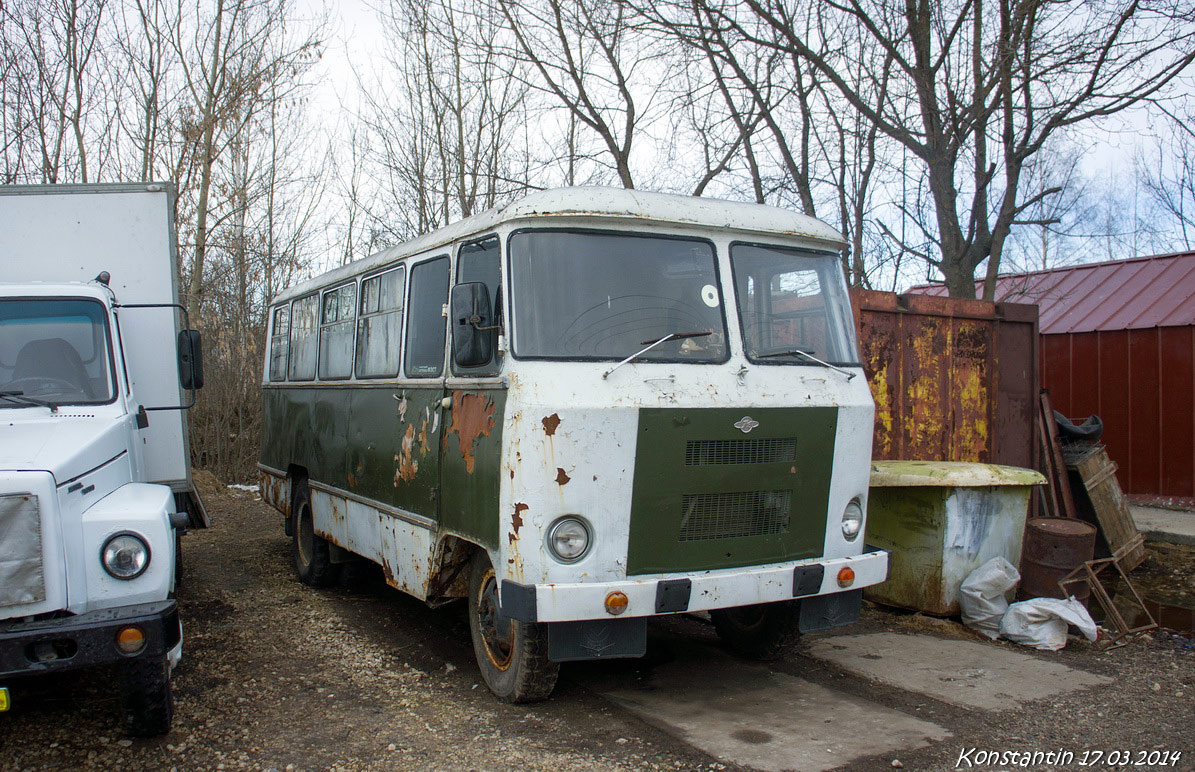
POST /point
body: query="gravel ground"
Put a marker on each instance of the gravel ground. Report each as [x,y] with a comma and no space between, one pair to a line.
[360,677]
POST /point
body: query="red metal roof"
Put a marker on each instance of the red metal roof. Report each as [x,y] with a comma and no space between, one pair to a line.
[1139,293]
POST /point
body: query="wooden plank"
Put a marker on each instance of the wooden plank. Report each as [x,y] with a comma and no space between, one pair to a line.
[1098,473]
[1053,448]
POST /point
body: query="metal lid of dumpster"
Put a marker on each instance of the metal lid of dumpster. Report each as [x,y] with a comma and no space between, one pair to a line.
[949,474]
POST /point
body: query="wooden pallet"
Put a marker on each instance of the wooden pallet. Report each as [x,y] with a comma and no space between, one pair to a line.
[1098,473]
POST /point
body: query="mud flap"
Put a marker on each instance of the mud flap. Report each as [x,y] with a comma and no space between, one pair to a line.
[597,639]
[822,612]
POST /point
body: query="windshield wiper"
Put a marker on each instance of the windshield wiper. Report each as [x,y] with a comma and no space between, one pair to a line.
[650,344]
[801,352]
[19,398]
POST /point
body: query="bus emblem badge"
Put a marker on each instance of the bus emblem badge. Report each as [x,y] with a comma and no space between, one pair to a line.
[746,424]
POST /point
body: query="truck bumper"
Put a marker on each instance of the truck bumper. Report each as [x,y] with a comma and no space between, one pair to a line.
[699,591]
[84,640]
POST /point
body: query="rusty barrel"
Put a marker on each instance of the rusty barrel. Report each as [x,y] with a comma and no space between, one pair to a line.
[1054,546]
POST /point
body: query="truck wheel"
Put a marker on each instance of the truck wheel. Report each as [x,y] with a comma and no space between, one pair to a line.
[512,655]
[313,562]
[761,631]
[146,697]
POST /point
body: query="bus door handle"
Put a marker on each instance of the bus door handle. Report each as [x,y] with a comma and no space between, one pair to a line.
[446,403]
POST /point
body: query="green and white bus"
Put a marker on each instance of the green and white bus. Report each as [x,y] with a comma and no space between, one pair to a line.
[579,411]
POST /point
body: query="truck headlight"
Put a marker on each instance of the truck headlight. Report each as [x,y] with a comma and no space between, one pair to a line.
[568,539]
[125,555]
[852,520]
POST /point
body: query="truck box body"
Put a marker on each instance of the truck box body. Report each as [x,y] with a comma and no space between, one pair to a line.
[70,233]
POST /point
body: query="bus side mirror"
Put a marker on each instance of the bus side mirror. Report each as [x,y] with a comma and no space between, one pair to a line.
[190,359]
[472,324]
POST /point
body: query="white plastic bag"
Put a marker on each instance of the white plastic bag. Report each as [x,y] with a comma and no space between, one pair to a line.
[1041,622]
[982,595]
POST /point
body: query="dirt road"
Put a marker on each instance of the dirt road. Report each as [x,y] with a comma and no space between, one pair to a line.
[278,676]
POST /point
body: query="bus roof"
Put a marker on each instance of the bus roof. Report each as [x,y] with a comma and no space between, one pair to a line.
[602,203]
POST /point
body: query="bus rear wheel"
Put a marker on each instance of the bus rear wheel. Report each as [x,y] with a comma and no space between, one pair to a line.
[763,631]
[512,655]
[313,560]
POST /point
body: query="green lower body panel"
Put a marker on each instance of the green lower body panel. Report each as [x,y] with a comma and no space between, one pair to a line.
[709,495]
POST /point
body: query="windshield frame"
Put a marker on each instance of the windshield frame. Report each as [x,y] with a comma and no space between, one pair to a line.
[512,301]
[849,322]
[114,375]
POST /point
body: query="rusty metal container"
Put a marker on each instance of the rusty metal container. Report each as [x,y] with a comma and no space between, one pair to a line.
[940,521]
[1055,546]
[953,379]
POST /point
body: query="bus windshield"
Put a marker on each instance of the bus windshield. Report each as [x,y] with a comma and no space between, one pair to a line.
[604,296]
[54,351]
[792,303]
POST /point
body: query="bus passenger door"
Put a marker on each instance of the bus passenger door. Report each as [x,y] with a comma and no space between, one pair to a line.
[417,402]
[472,444]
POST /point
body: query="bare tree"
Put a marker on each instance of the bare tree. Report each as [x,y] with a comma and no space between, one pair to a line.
[978,88]
[1169,176]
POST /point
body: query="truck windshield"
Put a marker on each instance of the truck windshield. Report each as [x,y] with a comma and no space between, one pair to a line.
[792,303]
[55,351]
[604,296]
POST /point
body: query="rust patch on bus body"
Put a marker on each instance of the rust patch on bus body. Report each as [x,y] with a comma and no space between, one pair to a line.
[423,446]
[407,466]
[550,424]
[516,522]
[472,417]
[562,477]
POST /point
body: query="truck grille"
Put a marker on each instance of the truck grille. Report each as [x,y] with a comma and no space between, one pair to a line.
[733,515]
[758,451]
[21,577]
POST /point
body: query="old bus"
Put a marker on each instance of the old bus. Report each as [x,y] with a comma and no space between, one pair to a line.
[580,411]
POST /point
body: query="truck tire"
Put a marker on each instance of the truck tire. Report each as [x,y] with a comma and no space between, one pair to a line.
[762,631]
[313,562]
[146,697]
[512,655]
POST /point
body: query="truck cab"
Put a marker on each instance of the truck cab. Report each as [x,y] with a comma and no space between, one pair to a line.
[95,487]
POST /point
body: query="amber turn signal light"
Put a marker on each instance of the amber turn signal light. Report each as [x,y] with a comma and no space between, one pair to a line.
[130,640]
[616,603]
[846,576]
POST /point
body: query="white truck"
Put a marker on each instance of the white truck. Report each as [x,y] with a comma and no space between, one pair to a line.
[97,368]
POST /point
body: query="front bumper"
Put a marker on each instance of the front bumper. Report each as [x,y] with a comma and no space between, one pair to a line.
[89,639]
[697,591]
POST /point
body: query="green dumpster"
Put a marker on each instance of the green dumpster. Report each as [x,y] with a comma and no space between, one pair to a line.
[940,520]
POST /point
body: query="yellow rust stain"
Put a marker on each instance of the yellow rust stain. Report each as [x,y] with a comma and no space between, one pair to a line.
[408,467]
[472,417]
[550,424]
[562,477]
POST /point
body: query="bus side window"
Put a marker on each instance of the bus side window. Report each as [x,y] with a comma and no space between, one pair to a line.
[279,343]
[304,337]
[478,261]
[380,326]
[336,332]
[426,322]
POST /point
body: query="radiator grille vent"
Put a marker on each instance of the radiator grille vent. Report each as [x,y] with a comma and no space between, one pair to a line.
[732,515]
[761,451]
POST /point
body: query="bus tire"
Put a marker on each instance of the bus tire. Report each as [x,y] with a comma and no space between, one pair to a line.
[762,631]
[313,561]
[512,655]
[146,698]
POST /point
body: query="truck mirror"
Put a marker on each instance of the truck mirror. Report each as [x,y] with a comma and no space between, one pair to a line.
[190,359]
[472,324]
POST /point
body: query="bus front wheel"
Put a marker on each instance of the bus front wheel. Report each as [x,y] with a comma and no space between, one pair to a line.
[512,655]
[762,631]
[313,560]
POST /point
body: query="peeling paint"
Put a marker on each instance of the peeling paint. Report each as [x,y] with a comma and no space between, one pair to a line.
[403,404]
[408,467]
[562,477]
[550,424]
[472,417]
[517,520]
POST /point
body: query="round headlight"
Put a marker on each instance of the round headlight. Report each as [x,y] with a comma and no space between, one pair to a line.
[852,520]
[568,539]
[125,556]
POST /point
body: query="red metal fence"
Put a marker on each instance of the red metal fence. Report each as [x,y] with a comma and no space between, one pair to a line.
[1142,384]
[953,380]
